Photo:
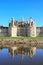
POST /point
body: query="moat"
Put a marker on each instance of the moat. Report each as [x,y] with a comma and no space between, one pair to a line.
[22,55]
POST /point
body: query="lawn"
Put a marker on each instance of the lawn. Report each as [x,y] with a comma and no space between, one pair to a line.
[22,37]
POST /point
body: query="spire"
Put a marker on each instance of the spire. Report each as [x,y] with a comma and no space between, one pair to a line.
[9,22]
[13,21]
[30,19]
[22,19]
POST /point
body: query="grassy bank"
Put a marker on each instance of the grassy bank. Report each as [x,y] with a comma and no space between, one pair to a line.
[23,37]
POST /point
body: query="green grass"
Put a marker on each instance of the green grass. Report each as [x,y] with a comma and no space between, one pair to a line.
[23,37]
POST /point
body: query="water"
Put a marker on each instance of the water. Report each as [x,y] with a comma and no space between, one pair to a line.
[30,56]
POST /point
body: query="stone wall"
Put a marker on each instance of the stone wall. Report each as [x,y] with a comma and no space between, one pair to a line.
[3,31]
[19,42]
[39,31]
[28,31]
[12,31]
[21,31]
[31,31]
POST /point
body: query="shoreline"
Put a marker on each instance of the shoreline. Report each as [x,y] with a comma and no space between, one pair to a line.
[14,42]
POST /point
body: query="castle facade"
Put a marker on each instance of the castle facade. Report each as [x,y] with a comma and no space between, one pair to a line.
[21,28]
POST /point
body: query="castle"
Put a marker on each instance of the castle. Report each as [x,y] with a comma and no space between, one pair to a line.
[21,28]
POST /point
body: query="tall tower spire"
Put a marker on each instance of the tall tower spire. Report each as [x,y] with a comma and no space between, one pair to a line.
[22,19]
[13,21]
[30,19]
[12,29]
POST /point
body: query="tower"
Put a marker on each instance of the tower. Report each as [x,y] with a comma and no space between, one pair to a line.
[12,30]
[32,28]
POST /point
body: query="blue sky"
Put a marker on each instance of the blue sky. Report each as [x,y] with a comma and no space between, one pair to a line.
[19,8]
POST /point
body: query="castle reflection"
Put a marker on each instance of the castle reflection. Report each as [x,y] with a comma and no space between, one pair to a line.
[30,51]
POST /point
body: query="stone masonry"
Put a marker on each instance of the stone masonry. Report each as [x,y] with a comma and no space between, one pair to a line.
[21,28]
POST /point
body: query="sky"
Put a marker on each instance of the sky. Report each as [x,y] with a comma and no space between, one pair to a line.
[19,9]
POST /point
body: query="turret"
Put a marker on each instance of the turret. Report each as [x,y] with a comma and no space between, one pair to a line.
[12,22]
[31,31]
[22,21]
[32,28]
[12,29]
[30,20]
